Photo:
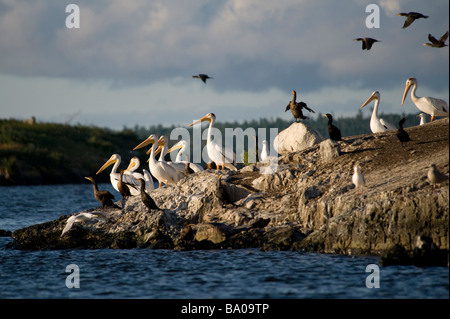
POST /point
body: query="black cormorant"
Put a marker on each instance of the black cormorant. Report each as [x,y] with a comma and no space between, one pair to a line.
[402,135]
[333,131]
[146,199]
[104,197]
[410,17]
[296,108]
[202,77]
[435,43]
[366,42]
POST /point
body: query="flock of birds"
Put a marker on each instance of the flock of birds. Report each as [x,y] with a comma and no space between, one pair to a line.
[410,18]
[129,182]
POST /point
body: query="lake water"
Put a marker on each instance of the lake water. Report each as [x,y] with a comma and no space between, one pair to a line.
[166,274]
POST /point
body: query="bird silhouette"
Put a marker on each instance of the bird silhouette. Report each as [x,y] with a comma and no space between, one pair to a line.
[202,77]
[402,135]
[366,42]
[333,131]
[411,17]
[435,43]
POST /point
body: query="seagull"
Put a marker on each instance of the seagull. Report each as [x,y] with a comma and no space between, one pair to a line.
[402,135]
[358,178]
[435,177]
[410,17]
[366,42]
[423,118]
[435,43]
[202,77]
[79,218]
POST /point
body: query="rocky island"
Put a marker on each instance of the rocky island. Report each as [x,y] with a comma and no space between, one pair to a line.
[307,201]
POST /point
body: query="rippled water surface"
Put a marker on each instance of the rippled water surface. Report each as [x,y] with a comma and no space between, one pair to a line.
[146,273]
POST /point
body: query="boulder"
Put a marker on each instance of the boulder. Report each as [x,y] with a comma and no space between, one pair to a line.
[295,138]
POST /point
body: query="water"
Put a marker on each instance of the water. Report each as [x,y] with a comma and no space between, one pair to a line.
[146,273]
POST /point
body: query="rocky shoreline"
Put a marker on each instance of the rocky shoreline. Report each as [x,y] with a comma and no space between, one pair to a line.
[308,202]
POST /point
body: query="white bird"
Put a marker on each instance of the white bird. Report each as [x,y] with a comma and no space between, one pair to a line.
[430,105]
[218,154]
[78,218]
[182,157]
[377,124]
[423,118]
[162,171]
[145,175]
[265,152]
[180,167]
[435,177]
[115,176]
[358,178]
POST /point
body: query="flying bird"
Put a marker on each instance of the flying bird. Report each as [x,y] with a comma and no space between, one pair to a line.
[430,105]
[366,42]
[435,177]
[79,218]
[104,197]
[402,135]
[296,108]
[410,17]
[358,178]
[202,77]
[333,131]
[377,124]
[435,43]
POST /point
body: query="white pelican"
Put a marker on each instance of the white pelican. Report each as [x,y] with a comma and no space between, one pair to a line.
[180,167]
[145,175]
[423,118]
[358,178]
[377,124]
[182,156]
[162,171]
[217,153]
[429,105]
[79,218]
[114,175]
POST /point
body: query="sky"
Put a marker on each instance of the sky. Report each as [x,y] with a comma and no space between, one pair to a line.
[130,62]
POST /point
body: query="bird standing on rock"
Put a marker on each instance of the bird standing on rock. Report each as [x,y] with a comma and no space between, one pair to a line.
[435,177]
[333,131]
[146,198]
[402,135]
[104,197]
[358,178]
[296,108]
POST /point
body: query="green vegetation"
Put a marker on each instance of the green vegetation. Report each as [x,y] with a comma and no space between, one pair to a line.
[48,153]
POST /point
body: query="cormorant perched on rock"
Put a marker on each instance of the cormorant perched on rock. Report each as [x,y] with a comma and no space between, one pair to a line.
[124,188]
[333,131]
[296,108]
[202,77]
[146,199]
[410,17]
[435,43]
[366,42]
[436,177]
[104,197]
[402,135]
